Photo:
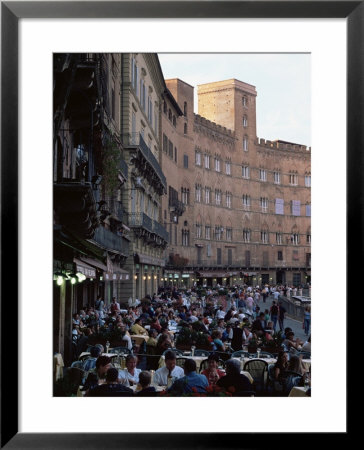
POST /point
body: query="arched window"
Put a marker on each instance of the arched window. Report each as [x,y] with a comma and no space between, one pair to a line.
[169,114]
[245,143]
[165,107]
[185,108]
[185,129]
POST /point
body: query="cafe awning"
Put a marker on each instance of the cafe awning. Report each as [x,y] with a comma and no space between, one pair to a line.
[117,274]
[149,260]
[212,274]
[94,263]
[84,268]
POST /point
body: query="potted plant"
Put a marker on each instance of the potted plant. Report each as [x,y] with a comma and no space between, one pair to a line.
[273,345]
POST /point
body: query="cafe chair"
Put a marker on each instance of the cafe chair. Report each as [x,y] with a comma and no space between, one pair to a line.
[239,354]
[175,350]
[77,364]
[223,355]
[258,369]
[199,352]
[124,350]
[180,362]
[89,364]
[118,361]
[266,355]
[204,365]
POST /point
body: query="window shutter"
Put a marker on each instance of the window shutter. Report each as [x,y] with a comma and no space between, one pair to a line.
[296,208]
[279,206]
[308,210]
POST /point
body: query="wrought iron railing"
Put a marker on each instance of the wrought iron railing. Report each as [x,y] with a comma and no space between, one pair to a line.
[141,220]
[160,230]
[110,240]
[136,140]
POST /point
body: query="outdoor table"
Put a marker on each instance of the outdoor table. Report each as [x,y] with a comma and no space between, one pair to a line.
[244,360]
[139,338]
[306,364]
[298,391]
[111,355]
[197,359]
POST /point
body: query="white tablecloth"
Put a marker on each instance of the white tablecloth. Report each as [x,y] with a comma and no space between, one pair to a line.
[298,391]
[197,359]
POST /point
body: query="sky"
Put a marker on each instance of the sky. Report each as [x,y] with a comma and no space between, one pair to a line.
[282,82]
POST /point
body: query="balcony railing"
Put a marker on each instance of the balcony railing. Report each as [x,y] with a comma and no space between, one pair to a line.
[136,140]
[177,206]
[160,231]
[236,265]
[141,220]
[110,240]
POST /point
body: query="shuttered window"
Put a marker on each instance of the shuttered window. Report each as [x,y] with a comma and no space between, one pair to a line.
[279,206]
[296,208]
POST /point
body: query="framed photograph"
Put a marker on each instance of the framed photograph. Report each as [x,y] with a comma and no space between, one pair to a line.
[31,32]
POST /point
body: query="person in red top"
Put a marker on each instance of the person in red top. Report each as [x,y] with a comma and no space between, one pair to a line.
[156,325]
[212,373]
[114,305]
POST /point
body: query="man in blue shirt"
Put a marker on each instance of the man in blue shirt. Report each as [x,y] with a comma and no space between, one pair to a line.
[191,382]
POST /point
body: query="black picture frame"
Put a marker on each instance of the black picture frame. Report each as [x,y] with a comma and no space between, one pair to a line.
[11,12]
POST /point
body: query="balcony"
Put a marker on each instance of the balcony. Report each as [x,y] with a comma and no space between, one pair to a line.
[145,161]
[111,241]
[151,231]
[176,206]
[160,231]
[140,220]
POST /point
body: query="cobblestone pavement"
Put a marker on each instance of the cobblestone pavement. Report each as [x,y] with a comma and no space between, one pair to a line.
[288,322]
[296,325]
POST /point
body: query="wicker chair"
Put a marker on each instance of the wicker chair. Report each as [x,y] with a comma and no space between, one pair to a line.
[266,355]
[204,364]
[174,350]
[124,350]
[200,352]
[239,354]
[258,369]
[180,362]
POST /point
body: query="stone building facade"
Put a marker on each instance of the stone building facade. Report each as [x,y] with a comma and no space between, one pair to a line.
[247,201]
[142,91]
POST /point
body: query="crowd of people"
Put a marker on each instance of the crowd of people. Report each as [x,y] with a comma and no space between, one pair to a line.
[226,321]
